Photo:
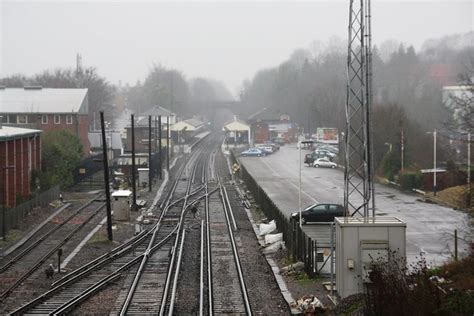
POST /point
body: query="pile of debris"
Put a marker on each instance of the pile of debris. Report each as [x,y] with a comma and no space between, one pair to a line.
[309,305]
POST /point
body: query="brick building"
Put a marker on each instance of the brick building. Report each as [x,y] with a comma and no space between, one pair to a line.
[47,109]
[20,154]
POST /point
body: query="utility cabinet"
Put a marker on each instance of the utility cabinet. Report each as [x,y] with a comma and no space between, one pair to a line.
[143,176]
[121,201]
[361,241]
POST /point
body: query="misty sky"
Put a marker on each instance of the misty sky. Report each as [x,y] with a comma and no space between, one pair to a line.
[227,41]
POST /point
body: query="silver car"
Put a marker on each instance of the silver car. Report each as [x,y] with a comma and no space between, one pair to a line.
[324,162]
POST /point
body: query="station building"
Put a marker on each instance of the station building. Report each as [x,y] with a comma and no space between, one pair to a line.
[20,154]
[47,109]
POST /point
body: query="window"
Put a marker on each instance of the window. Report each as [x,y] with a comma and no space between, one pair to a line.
[44,119]
[11,119]
[57,119]
[22,119]
[69,119]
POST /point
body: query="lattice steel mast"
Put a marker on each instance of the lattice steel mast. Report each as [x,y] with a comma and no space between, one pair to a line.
[358,174]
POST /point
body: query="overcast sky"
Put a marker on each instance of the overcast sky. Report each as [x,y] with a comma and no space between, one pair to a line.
[227,41]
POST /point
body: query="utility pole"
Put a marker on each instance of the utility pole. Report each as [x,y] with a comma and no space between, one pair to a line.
[160,162]
[402,151]
[434,162]
[168,143]
[155,140]
[469,169]
[149,154]
[106,178]
[134,185]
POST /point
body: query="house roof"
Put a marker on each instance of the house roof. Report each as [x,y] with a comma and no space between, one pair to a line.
[8,132]
[158,110]
[190,125]
[236,125]
[43,100]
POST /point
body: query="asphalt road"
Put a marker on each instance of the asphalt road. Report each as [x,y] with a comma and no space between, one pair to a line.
[430,227]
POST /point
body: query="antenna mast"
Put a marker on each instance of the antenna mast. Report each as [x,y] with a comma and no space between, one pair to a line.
[358,173]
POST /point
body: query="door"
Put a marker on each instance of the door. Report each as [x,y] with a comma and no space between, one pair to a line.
[318,213]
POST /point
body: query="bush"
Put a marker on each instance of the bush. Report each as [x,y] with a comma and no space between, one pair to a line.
[411,180]
[397,291]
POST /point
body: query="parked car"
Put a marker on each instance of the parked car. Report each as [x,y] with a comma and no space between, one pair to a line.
[278,140]
[311,157]
[274,145]
[329,148]
[326,153]
[324,162]
[253,152]
[268,149]
[319,213]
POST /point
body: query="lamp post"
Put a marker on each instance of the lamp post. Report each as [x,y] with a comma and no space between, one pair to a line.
[434,160]
[300,144]
[4,226]
[469,168]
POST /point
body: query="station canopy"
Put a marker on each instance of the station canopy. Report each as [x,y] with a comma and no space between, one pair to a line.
[188,125]
[236,125]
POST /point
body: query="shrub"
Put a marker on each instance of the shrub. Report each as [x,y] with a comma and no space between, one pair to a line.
[411,180]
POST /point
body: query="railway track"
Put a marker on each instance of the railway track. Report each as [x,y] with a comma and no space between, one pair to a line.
[148,291]
[26,265]
[151,263]
[227,292]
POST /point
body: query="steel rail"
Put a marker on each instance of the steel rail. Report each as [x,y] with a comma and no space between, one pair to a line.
[94,264]
[176,275]
[243,286]
[173,257]
[168,204]
[47,255]
[71,304]
[61,286]
[43,237]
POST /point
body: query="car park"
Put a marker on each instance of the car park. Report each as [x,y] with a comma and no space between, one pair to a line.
[319,213]
[253,152]
[324,162]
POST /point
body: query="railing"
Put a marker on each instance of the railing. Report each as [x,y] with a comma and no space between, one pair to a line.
[300,246]
[15,214]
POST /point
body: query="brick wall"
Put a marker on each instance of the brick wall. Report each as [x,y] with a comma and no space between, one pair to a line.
[79,125]
[24,155]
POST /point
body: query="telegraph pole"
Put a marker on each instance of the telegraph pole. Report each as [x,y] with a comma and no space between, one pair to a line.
[134,185]
[106,178]
[160,163]
[168,143]
[149,154]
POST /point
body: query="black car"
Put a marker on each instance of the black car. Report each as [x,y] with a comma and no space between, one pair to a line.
[319,213]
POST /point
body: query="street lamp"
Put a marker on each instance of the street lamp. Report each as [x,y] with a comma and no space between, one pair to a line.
[300,144]
[4,226]
[434,160]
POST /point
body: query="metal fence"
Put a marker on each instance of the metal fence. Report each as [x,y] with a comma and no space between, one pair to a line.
[12,216]
[300,246]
